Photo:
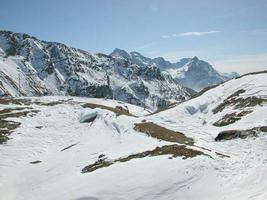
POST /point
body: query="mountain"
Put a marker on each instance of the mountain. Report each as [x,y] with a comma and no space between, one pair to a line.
[190,72]
[210,147]
[198,74]
[32,67]
[138,59]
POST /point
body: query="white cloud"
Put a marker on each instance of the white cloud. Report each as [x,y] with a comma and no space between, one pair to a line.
[186,34]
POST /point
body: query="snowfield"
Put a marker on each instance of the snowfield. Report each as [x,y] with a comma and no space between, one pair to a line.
[45,156]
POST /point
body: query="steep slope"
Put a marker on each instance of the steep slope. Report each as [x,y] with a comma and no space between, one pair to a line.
[31,67]
[246,95]
[121,149]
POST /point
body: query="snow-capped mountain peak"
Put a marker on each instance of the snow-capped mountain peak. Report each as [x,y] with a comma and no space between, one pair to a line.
[119,53]
[197,74]
[190,72]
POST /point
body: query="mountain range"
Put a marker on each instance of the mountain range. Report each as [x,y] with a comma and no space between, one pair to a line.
[32,67]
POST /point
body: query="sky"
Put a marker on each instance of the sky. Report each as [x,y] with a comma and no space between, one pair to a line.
[229,34]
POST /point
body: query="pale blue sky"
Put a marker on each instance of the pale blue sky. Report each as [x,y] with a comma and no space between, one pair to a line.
[230,34]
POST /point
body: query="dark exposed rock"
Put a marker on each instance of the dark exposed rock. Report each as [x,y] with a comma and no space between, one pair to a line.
[240,102]
[232,134]
[231,118]
[68,147]
[35,162]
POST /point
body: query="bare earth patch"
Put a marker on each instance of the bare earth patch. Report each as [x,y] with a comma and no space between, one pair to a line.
[231,118]
[118,110]
[240,102]
[159,133]
[162,133]
[9,100]
[7,126]
[173,150]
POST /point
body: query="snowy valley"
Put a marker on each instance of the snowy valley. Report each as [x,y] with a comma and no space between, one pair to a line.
[212,146]
[133,100]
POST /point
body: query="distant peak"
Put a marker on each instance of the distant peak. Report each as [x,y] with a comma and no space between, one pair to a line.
[117,50]
[135,53]
[159,59]
[195,58]
[120,52]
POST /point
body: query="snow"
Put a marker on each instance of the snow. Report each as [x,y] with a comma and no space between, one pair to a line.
[86,115]
[61,128]
[240,176]
[56,137]
[197,74]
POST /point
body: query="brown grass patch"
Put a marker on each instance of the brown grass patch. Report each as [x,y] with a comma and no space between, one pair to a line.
[173,150]
[8,100]
[161,133]
[232,100]
[231,118]
[7,126]
[52,103]
[118,110]
[8,110]
[17,114]
[28,101]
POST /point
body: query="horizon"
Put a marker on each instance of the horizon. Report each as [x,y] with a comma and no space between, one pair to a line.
[231,36]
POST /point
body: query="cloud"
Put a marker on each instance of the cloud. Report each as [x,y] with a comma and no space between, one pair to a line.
[187,34]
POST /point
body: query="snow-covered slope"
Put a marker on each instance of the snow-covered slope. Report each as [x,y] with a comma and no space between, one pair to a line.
[31,67]
[124,152]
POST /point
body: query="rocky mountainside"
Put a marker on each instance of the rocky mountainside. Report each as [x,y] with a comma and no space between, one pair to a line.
[30,67]
[190,72]
[197,74]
